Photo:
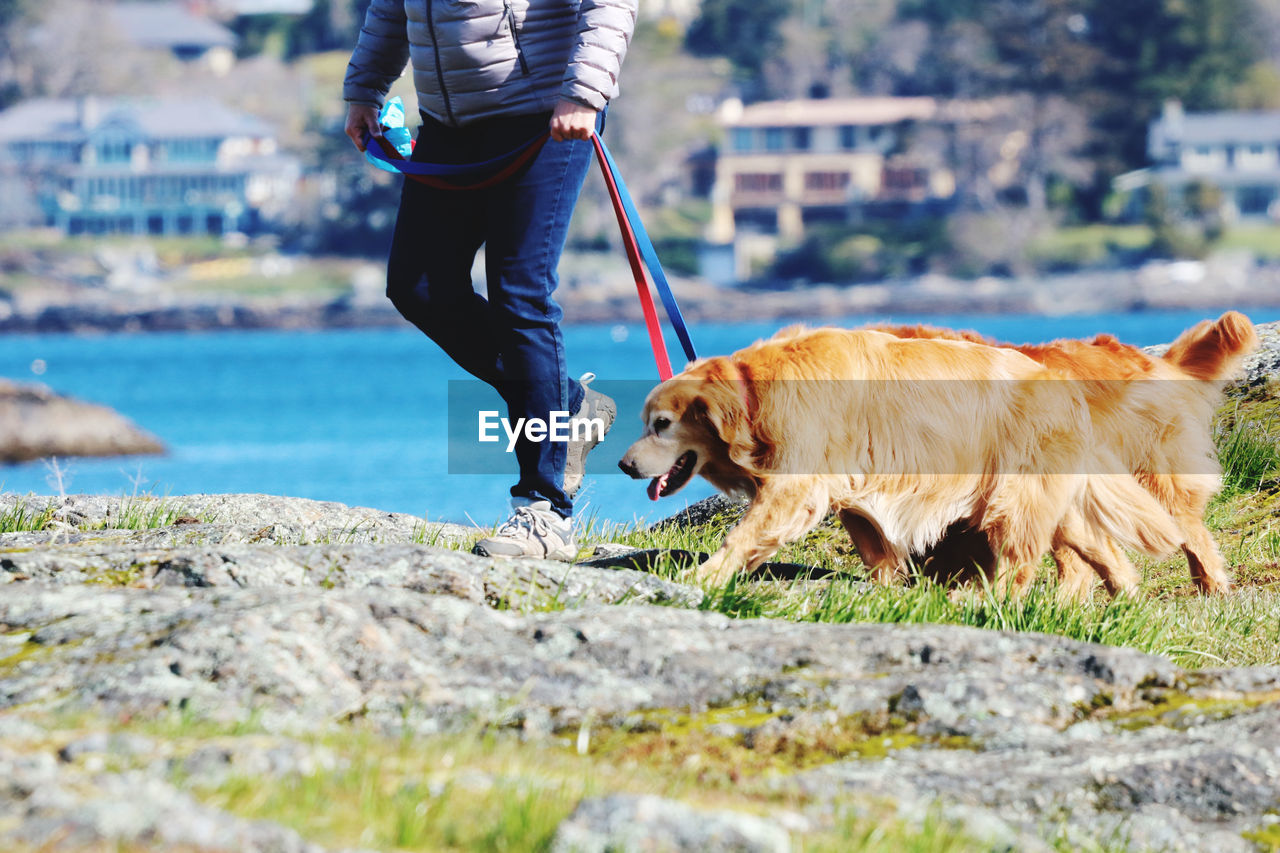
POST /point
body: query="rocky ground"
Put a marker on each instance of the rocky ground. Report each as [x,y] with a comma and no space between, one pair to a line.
[307,617]
[158,656]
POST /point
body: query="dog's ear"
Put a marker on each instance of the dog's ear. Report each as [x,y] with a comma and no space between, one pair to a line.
[725,400]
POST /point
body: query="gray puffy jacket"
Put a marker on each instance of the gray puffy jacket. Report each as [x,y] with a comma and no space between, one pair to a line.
[475,59]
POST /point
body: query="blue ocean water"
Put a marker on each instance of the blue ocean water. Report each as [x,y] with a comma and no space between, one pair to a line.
[359,416]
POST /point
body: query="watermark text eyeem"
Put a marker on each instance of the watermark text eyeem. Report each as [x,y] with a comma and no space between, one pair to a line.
[559,426]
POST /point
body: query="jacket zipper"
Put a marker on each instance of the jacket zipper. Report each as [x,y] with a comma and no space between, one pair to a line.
[444,93]
[515,36]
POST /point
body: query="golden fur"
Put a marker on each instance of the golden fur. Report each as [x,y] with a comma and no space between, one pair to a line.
[1154,413]
[859,423]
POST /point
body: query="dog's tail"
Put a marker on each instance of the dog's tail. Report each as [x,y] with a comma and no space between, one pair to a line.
[1126,512]
[1214,349]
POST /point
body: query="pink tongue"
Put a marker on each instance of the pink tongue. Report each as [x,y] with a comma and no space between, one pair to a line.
[656,486]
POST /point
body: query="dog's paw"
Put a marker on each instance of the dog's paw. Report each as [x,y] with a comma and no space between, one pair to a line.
[715,572]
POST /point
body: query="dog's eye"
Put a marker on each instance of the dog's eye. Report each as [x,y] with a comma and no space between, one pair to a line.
[659,424]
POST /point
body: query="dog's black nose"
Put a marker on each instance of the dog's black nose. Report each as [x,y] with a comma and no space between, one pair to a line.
[629,468]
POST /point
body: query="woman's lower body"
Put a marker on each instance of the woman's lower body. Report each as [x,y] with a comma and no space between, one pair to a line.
[510,340]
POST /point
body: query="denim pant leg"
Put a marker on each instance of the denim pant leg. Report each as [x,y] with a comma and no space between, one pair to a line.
[437,235]
[528,225]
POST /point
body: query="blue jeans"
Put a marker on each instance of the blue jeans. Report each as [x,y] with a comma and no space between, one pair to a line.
[511,340]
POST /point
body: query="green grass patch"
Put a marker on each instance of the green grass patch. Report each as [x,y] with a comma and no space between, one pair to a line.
[1088,245]
[729,748]
[313,277]
[22,517]
[1267,836]
[50,244]
[1248,444]
[1180,711]
[1262,240]
[136,512]
[480,789]
[415,796]
[143,513]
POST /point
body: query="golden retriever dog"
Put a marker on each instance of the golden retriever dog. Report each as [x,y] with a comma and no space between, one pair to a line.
[903,438]
[1154,413]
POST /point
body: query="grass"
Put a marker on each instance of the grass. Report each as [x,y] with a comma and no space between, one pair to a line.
[136,512]
[1249,452]
[327,277]
[1262,240]
[144,513]
[1098,243]
[1086,245]
[493,790]
[22,517]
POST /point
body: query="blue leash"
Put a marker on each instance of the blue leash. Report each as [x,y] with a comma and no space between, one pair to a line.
[409,167]
[650,256]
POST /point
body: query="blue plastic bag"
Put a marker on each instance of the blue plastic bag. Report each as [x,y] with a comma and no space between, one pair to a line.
[391,117]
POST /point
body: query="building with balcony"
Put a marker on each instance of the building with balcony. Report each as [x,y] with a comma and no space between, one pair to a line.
[1235,152]
[790,164]
[141,166]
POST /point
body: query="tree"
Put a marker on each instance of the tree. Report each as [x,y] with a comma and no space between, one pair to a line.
[1197,51]
[70,48]
[12,16]
[746,32]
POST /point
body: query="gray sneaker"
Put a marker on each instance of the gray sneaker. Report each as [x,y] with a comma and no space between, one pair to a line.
[533,530]
[594,406]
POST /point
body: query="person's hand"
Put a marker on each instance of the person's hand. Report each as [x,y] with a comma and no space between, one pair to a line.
[572,120]
[362,119]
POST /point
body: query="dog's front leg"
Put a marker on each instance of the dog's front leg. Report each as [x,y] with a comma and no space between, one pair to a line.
[784,509]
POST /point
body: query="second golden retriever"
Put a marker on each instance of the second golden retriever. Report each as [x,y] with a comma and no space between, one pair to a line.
[903,438]
[1155,414]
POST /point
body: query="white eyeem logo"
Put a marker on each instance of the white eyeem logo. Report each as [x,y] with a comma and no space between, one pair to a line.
[560,427]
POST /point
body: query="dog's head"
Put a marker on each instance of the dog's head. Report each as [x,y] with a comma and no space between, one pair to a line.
[697,422]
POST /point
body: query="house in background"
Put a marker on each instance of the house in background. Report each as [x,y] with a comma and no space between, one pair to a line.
[142,166]
[1235,152]
[788,165]
[177,29]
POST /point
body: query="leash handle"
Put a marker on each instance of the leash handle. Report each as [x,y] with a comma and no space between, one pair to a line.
[637,272]
[379,150]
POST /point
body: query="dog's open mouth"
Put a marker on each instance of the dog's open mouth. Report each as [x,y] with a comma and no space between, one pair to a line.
[675,478]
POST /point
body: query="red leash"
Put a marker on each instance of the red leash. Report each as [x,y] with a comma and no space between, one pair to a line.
[637,271]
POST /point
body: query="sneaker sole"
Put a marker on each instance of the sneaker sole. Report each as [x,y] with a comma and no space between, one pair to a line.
[559,556]
[608,412]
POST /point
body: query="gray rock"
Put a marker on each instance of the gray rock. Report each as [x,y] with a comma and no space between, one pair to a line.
[303,615]
[515,583]
[237,541]
[1264,364]
[221,519]
[1020,707]
[35,423]
[716,509]
[647,824]
[308,655]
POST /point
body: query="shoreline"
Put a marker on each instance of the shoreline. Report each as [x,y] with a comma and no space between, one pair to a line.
[1167,287]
